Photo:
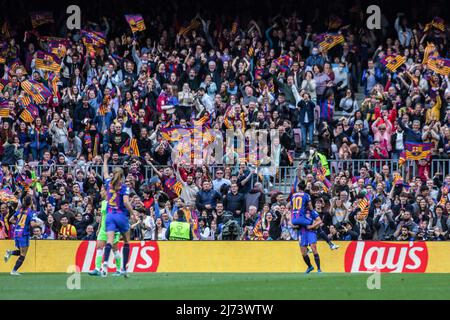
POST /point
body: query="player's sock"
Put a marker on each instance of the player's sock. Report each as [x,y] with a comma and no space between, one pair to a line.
[317,260]
[118,258]
[19,263]
[98,259]
[307,261]
[107,252]
[15,253]
[126,251]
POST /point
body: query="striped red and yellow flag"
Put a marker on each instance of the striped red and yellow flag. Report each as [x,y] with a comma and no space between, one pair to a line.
[36,90]
[393,62]
[430,51]
[4,112]
[134,147]
[47,61]
[439,65]
[331,40]
[30,113]
[177,188]
[364,206]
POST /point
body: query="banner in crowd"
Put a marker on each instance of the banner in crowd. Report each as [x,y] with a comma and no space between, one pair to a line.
[416,151]
[47,61]
[136,22]
[229,256]
[328,41]
[439,65]
[393,62]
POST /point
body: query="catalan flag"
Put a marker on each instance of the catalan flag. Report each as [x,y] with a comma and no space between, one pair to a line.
[331,40]
[134,147]
[393,62]
[41,18]
[430,51]
[364,205]
[47,61]
[136,22]
[37,91]
[439,65]
[30,113]
[177,188]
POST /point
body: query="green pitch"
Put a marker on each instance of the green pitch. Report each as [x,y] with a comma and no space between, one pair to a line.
[204,286]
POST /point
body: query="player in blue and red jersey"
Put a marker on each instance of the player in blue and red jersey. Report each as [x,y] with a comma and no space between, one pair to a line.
[118,209]
[24,219]
[308,237]
[300,203]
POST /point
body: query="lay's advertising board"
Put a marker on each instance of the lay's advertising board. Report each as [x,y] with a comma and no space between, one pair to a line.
[245,256]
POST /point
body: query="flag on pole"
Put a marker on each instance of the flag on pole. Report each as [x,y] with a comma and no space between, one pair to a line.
[41,18]
[47,61]
[330,40]
[136,22]
[393,62]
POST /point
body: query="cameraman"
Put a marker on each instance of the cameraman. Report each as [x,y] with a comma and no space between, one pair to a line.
[230,228]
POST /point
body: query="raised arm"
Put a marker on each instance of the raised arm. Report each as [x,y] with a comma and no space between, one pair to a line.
[105,165]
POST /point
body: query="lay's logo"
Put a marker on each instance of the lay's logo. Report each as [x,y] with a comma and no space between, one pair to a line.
[367,256]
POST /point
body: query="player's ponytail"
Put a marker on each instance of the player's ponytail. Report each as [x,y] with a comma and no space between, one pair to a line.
[116,181]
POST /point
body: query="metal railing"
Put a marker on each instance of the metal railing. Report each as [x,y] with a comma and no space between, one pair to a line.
[284,178]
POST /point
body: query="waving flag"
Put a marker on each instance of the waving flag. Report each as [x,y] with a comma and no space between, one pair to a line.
[4,108]
[437,23]
[439,65]
[93,40]
[30,113]
[416,151]
[41,18]
[6,195]
[134,147]
[172,134]
[53,79]
[364,205]
[136,22]
[57,46]
[205,120]
[430,51]
[331,40]
[37,91]
[47,61]
[284,62]
[393,62]
[192,26]
[16,65]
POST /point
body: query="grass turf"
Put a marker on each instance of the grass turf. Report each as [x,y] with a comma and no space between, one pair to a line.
[210,286]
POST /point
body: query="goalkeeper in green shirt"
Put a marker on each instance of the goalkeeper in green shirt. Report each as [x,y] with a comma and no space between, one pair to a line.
[101,242]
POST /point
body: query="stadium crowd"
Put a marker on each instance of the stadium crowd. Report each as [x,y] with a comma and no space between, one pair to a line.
[240,74]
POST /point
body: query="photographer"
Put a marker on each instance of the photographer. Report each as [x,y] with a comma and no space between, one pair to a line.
[346,232]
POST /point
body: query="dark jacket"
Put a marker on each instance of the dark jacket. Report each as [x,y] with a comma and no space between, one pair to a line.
[234,202]
[206,197]
[305,107]
[410,135]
